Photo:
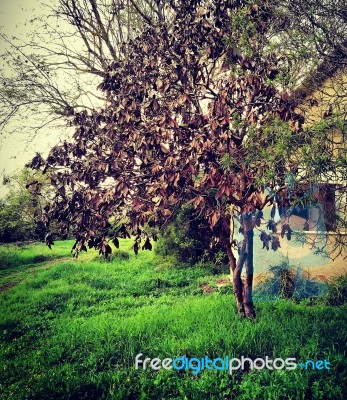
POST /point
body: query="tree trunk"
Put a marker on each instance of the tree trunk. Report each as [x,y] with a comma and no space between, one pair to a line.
[248,287]
[231,257]
[243,291]
[237,281]
[235,273]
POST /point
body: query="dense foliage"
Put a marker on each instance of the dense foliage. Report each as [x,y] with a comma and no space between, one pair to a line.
[189,240]
[21,212]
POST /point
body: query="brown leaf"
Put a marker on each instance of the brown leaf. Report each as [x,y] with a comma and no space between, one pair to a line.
[137,204]
[215,218]
[115,241]
[159,83]
[165,148]
[273,211]
[166,212]
[289,233]
[155,105]
[156,199]
[97,200]
[275,243]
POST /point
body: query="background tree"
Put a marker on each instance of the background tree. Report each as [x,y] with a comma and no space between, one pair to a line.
[21,212]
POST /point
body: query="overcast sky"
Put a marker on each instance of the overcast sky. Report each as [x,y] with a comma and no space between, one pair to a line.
[15,150]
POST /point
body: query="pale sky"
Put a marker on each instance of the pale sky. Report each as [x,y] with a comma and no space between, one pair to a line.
[15,150]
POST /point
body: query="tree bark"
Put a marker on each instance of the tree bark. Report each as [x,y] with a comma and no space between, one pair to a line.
[237,281]
[248,287]
[243,290]
[232,259]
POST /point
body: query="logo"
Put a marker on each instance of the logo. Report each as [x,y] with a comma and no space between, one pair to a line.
[227,364]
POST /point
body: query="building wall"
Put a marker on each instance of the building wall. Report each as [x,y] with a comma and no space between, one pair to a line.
[314,250]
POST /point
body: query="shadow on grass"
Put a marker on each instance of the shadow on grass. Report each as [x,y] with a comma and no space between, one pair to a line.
[14,257]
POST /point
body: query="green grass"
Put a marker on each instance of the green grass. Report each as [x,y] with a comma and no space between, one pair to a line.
[17,261]
[72,328]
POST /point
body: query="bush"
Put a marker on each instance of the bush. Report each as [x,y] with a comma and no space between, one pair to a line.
[337,294]
[21,210]
[290,283]
[188,239]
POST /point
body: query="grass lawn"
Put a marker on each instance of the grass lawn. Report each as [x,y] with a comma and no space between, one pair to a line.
[70,329]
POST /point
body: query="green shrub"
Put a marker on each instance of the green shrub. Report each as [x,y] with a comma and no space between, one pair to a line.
[188,239]
[337,294]
[289,282]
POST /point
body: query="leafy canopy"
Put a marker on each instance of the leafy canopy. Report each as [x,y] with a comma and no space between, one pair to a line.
[188,117]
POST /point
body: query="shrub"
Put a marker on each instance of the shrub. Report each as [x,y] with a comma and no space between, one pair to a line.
[186,240]
[337,294]
[289,282]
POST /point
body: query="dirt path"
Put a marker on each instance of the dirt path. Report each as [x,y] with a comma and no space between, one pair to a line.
[17,277]
[7,286]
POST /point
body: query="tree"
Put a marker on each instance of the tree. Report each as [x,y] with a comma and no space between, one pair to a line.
[21,212]
[55,69]
[84,36]
[188,117]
